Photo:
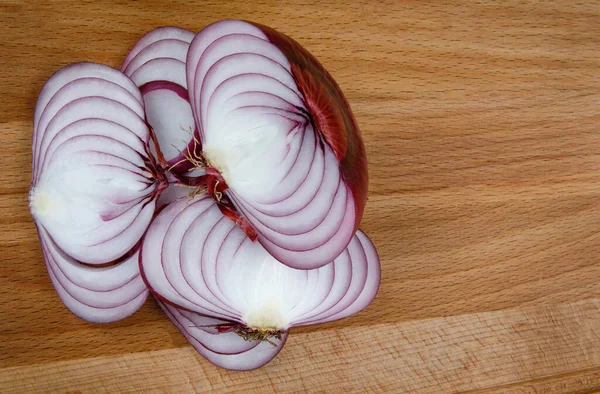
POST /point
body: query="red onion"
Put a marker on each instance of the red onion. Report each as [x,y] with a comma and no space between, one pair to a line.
[279,141]
[252,140]
[210,274]
[94,188]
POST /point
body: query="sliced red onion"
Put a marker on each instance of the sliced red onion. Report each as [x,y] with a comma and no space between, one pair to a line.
[281,137]
[195,259]
[157,65]
[210,34]
[76,71]
[94,189]
[162,49]
[270,135]
[79,97]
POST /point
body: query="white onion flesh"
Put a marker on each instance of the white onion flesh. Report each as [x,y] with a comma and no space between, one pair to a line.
[171,118]
[97,295]
[208,35]
[160,69]
[162,49]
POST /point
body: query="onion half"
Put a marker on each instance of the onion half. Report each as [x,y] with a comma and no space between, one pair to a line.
[94,188]
[235,294]
[279,141]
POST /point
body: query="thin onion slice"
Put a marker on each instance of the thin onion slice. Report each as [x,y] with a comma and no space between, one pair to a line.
[93,198]
[81,98]
[157,65]
[167,48]
[208,35]
[264,137]
[195,259]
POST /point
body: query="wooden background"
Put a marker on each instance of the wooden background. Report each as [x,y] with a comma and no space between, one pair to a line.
[482,127]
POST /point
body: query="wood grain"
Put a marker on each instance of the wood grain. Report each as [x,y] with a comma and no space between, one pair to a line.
[482,127]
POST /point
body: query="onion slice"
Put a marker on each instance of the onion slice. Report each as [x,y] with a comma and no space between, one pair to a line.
[157,65]
[194,259]
[94,189]
[267,141]
[95,294]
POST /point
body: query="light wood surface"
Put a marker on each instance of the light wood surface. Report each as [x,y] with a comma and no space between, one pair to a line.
[482,127]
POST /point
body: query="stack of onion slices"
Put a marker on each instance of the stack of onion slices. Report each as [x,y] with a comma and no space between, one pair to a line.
[223,172]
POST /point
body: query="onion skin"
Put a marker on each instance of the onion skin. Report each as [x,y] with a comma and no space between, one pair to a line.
[331,113]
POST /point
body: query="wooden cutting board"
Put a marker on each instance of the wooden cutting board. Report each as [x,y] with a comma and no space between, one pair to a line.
[482,127]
